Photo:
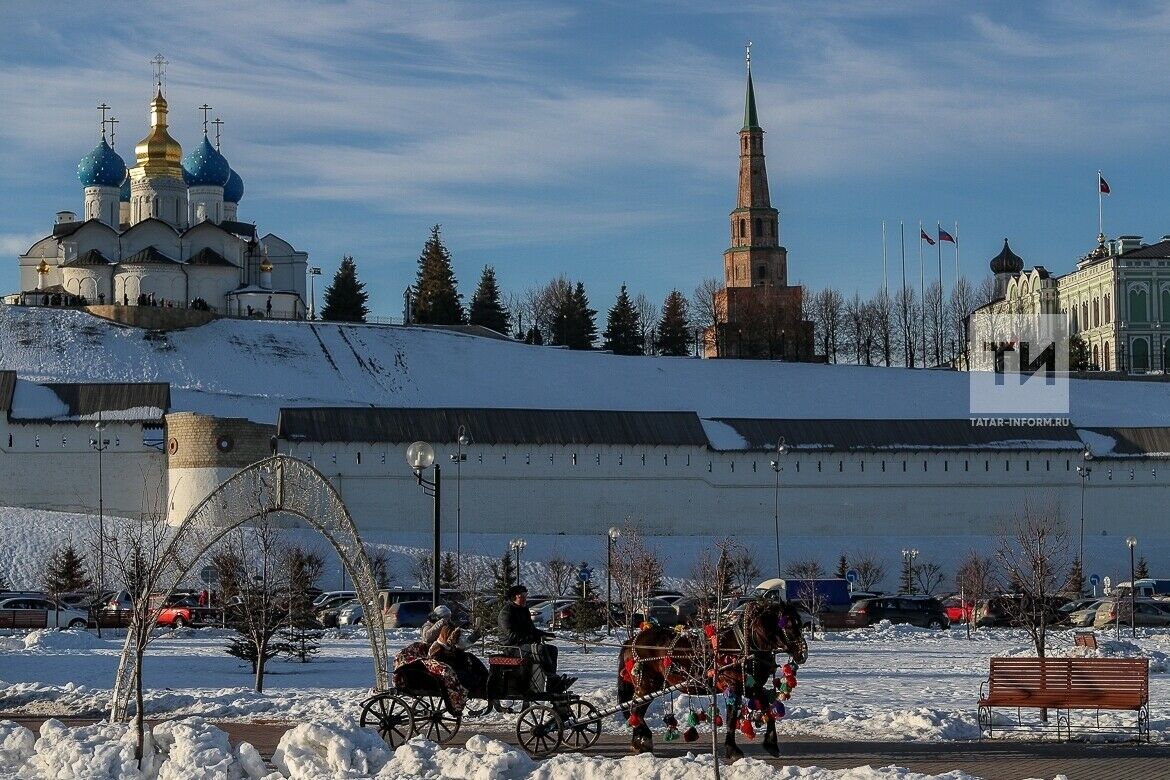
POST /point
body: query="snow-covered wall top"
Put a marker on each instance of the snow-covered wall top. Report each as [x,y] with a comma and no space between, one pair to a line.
[236,368]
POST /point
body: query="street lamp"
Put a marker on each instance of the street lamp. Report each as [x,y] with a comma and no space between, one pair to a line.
[421,456]
[1084,470]
[781,450]
[1131,542]
[313,272]
[908,555]
[462,441]
[99,443]
[610,538]
[518,546]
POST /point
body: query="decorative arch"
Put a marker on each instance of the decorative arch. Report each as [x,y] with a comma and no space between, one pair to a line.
[1140,355]
[282,484]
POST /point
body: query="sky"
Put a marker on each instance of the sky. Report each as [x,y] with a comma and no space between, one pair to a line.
[599,140]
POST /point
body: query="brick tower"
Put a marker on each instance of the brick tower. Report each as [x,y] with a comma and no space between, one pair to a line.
[757,314]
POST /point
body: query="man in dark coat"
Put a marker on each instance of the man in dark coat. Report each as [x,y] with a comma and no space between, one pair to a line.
[517,630]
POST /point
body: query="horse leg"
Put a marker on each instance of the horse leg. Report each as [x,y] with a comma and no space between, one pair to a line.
[731,750]
[643,737]
[770,742]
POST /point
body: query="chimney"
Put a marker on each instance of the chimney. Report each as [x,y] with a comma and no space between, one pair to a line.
[1128,243]
[65,216]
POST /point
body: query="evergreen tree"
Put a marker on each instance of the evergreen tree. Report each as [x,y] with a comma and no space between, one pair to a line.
[1079,357]
[1076,579]
[623,330]
[585,319]
[448,571]
[504,575]
[436,299]
[66,572]
[1142,570]
[842,566]
[534,337]
[674,332]
[345,297]
[302,634]
[486,309]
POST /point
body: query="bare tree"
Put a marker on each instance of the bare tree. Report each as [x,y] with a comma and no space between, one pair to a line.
[807,569]
[828,308]
[745,574]
[882,311]
[422,568]
[262,610]
[975,579]
[907,323]
[557,579]
[637,570]
[1032,552]
[136,556]
[648,314]
[711,579]
[960,306]
[380,563]
[929,576]
[935,321]
[704,308]
[870,571]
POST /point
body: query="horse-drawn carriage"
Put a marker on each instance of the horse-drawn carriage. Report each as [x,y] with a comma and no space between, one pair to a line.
[429,699]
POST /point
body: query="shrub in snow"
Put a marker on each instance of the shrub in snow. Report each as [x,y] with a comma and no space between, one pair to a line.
[314,750]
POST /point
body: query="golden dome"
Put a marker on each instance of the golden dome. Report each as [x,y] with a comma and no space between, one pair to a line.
[158,154]
[265,266]
[43,268]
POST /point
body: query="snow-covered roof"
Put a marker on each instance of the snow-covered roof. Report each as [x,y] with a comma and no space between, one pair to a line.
[145,402]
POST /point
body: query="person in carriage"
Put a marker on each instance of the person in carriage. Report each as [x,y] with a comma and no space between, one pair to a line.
[517,630]
[448,643]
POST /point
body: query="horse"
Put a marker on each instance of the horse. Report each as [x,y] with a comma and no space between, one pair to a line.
[740,657]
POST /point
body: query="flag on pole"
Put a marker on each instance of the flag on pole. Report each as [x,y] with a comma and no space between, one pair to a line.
[945,236]
[1104,184]
[925,237]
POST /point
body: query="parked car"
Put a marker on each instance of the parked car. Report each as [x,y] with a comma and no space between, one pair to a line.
[183,611]
[1083,616]
[350,613]
[1076,605]
[924,612]
[958,611]
[1016,610]
[37,612]
[733,609]
[1146,612]
[335,596]
[327,609]
[543,612]
[407,614]
[657,611]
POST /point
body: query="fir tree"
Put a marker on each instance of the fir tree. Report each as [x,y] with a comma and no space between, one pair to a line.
[345,297]
[673,335]
[66,572]
[842,566]
[534,337]
[448,571]
[585,332]
[436,299]
[1076,579]
[1142,570]
[302,634]
[486,309]
[1079,358]
[504,575]
[623,330]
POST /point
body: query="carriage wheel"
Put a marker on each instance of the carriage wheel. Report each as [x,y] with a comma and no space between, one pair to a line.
[583,725]
[434,718]
[539,730]
[391,716]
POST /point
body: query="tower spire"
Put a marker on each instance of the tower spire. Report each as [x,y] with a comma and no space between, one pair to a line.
[749,110]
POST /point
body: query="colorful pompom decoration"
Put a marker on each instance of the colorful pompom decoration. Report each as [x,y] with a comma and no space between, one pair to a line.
[778,709]
[693,718]
[634,720]
[691,734]
[747,730]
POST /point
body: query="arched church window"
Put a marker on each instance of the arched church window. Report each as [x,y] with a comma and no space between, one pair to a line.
[1096,313]
[1096,358]
[742,228]
[1138,310]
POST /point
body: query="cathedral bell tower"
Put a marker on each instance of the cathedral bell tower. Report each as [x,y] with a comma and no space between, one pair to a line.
[754,257]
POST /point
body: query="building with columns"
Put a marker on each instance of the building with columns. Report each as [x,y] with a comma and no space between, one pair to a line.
[1117,300]
[163,232]
[758,315]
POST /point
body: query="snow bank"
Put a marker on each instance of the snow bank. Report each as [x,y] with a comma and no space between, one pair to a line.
[315,750]
[16,745]
[62,639]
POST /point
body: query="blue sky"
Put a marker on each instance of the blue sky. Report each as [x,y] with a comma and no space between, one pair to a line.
[598,139]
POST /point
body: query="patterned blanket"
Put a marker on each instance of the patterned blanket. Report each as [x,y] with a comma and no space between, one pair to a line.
[416,653]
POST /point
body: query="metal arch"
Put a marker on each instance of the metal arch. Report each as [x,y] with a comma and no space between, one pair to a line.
[275,484]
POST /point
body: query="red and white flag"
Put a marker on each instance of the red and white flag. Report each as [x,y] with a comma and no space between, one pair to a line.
[1103,184]
[926,237]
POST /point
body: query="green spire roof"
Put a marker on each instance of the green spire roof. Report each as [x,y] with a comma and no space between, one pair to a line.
[750,122]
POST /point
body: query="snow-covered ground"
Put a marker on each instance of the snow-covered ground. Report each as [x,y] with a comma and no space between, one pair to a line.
[882,683]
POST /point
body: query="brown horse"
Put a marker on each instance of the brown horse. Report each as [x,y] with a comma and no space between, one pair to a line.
[742,656]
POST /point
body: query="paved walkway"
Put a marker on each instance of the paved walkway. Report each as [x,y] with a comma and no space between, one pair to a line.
[999,759]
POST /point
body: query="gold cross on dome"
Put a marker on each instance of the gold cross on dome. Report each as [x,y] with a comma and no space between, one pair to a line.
[160,69]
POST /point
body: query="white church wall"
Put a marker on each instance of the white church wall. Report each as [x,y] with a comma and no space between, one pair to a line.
[213,283]
[166,282]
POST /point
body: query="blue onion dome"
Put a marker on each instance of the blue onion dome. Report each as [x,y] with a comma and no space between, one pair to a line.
[204,166]
[233,191]
[124,195]
[102,167]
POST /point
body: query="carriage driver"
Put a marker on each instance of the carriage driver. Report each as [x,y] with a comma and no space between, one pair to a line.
[518,630]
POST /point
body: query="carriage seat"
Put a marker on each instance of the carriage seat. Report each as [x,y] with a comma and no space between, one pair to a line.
[507,660]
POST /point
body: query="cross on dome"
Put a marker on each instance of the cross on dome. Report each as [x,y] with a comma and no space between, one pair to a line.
[160,69]
[218,124]
[205,108]
[103,107]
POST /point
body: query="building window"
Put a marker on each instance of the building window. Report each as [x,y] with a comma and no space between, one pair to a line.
[1165,304]
[1138,307]
[1096,360]
[1108,351]
[1141,354]
[742,228]
[759,226]
[1165,355]
[762,272]
[1108,314]
[1096,313]
[1085,314]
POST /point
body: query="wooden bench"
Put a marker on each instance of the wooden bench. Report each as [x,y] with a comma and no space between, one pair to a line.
[24,618]
[1066,684]
[1085,639]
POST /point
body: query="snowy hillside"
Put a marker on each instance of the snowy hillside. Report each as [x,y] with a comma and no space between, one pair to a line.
[250,369]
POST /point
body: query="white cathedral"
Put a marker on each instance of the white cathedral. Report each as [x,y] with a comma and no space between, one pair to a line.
[163,233]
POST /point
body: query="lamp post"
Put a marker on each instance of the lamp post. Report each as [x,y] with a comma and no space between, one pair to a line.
[781,450]
[461,441]
[908,555]
[610,538]
[1084,470]
[99,443]
[421,456]
[1131,542]
[313,272]
[518,546]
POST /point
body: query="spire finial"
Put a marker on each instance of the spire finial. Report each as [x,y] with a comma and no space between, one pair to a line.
[205,108]
[160,70]
[103,108]
[218,124]
[750,121]
[749,56]
[113,122]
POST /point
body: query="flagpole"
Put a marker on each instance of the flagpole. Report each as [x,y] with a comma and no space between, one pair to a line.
[885,285]
[956,252]
[906,335]
[921,294]
[939,322]
[1100,206]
